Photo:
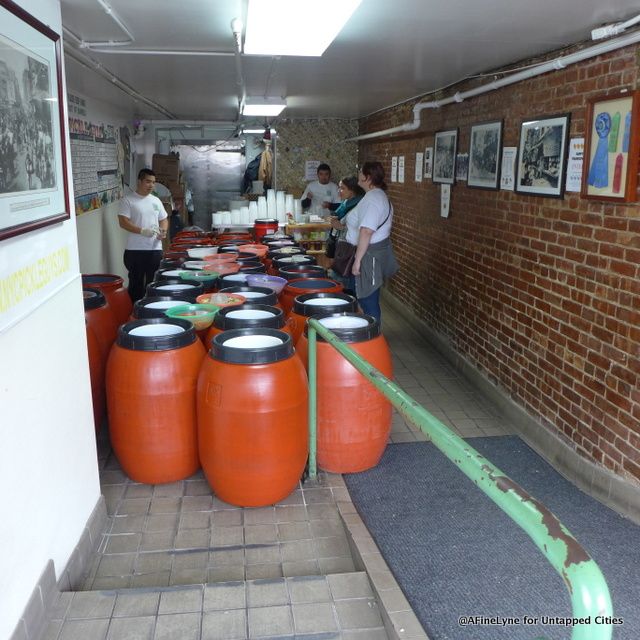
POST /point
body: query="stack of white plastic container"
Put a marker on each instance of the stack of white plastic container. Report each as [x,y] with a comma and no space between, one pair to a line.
[276,204]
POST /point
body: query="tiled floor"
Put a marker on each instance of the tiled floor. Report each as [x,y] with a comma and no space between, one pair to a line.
[430,380]
[338,606]
[177,563]
[179,533]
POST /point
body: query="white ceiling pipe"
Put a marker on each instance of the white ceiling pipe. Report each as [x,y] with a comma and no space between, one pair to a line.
[236,30]
[108,9]
[162,52]
[545,67]
[89,63]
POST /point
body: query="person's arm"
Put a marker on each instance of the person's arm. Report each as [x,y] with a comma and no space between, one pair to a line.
[126,224]
[336,224]
[305,198]
[164,227]
[364,239]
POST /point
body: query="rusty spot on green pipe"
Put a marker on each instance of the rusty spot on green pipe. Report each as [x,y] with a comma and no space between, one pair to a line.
[575,553]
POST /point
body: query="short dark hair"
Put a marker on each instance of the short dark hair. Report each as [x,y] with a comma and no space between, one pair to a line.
[323,167]
[143,173]
[351,182]
[375,171]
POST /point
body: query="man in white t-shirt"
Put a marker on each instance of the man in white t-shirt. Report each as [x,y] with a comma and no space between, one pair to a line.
[320,193]
[143,216]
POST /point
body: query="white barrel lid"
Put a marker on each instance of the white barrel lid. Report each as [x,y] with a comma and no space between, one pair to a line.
[253,294]
[156,330]
[174,287]
[250,314]
[256,341]
[323,302]
[343,322]
[164,304]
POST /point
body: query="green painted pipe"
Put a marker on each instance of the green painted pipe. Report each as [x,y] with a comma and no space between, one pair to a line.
[590,599]
[313,440]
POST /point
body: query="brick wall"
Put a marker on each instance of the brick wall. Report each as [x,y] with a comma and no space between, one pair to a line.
[541,294]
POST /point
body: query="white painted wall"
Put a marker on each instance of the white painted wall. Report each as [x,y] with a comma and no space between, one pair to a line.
[48,469]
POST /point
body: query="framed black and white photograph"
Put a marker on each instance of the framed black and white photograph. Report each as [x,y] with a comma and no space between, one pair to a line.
[484,155]
[33,189]
[462,166]
[542,156]
[444,156]
[428,162]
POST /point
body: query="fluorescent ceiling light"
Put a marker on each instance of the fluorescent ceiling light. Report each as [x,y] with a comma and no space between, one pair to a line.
[263,106]
[257,130]
[295,27]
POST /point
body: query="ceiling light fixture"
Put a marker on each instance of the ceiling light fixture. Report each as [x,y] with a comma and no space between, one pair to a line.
[295,27]
[256,130]
[269,107]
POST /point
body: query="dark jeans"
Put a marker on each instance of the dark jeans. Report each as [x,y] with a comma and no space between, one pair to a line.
[371,305]
[141,266]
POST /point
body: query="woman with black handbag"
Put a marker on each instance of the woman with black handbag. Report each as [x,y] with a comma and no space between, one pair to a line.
[350,193]
[368,256]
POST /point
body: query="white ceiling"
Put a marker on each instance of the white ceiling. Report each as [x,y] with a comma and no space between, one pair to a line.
[388,51]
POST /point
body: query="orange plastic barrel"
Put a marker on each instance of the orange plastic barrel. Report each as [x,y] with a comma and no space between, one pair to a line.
[151,397]
[276,253]
[112,286]
[255,295]
[100,318]
[171,263]
[289,261]
[248,316]
[252,417]
[259,250]
[155,306]
[270,237]
[232,280]
[237,237]
[354,418]
[173,288]
[303,271]
[314,304]
[264,226]
[252,267]
[96,373]
[306,285]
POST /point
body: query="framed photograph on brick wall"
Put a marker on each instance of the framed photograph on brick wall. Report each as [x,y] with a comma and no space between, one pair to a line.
[542,156]
[444,156]
[33,186]
[610,168]
[485,149]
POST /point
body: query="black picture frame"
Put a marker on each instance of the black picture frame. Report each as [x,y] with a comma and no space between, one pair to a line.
[445,148]
[541,167]
[485,155]
[34,191]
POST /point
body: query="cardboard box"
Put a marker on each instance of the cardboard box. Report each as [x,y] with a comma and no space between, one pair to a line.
[166,165]
[177,191]
[168,181]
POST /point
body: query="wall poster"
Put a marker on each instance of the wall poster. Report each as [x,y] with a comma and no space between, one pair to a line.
[97,160]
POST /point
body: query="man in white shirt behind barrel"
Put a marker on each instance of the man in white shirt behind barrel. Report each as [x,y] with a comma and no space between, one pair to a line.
[143,216]
[321,193]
